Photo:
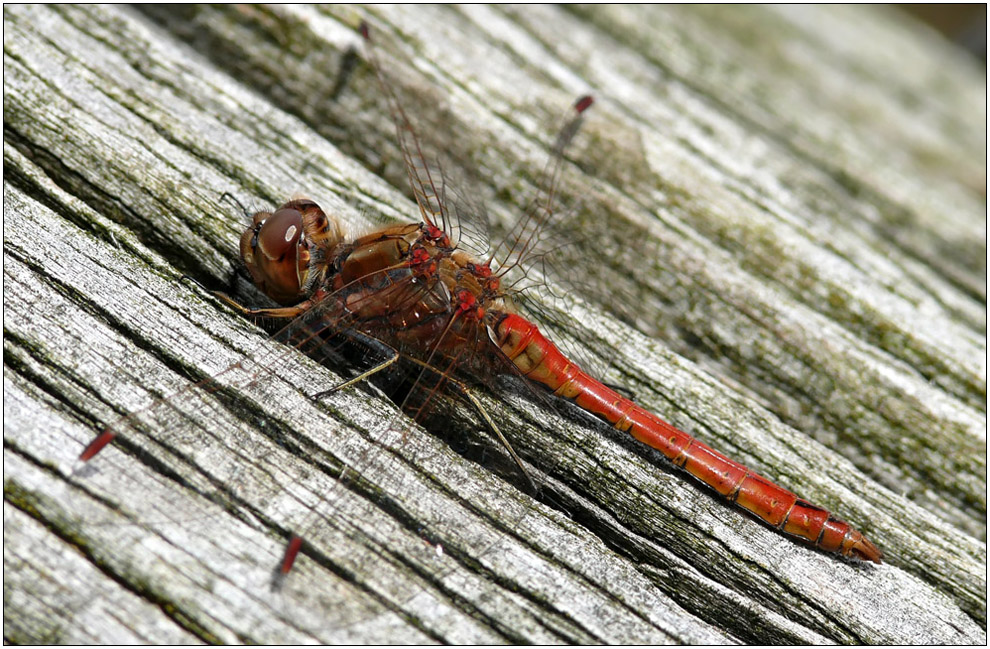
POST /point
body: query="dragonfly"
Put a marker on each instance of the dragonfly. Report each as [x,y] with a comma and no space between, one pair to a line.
[412,297]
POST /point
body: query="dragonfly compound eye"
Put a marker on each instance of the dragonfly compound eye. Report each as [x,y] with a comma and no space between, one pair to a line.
[276,254]
[280,234]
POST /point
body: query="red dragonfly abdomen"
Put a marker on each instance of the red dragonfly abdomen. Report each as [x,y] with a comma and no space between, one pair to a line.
[540,360]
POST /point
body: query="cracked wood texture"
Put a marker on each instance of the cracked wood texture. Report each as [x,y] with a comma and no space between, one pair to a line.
[792,198]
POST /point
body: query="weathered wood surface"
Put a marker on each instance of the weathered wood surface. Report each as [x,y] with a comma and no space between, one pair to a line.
[793,196]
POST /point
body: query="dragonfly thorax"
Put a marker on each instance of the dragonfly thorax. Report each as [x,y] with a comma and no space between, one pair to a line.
[406,285]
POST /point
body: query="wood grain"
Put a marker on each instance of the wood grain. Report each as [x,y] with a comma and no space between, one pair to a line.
[791,200]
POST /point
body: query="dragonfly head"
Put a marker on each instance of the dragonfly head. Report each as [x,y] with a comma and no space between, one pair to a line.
[280,247]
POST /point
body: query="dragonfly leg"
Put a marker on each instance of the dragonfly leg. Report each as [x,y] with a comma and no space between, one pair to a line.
[469,395]
[370,342]
[466,392]
[283,313]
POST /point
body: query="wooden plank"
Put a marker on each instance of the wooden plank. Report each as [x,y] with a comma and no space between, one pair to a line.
[735,179]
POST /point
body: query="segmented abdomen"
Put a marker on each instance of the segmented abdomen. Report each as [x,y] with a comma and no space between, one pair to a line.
[540,360]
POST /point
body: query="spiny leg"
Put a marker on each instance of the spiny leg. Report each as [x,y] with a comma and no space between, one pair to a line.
[372,343]
[282,313]
[469,395]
